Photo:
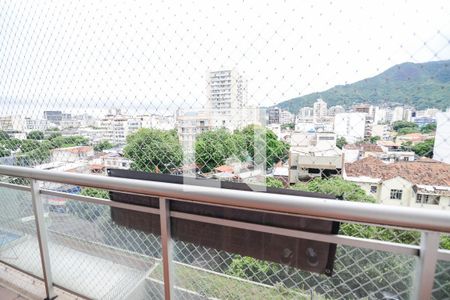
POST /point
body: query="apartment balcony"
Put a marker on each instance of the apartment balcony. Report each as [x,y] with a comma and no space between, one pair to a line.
[68,245]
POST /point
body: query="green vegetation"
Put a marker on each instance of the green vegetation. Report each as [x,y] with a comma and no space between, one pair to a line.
[341,142]
[336,186]
[54,135]
[153,150]
[29,145]
[424,149]
[374,139]
[347,266]
[35,135]
[254,143]
[420,85]
[213,148]
[263,146]
[69,141]
[89,211]
[4,135]
[404,127]
[11,144]
[36,150]
[273,182]
[93,192]
[429,128]
[288,126]
[103,145]
[397,125]
[4,152]
[216,286]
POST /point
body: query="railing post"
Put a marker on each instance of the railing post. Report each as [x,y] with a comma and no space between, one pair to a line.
[166,243]
[426,266]
[41,231]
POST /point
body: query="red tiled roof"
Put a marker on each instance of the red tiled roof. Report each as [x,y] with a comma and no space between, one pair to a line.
[417,172]
[371,148]
[364,147]
[224,169]
[351,147]
[77,149]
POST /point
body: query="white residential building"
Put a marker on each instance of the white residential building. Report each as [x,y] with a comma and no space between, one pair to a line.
[286,117]
[332,111]
[71,154]
[306,112]
[190,125]
[37,124]
[313,155]
[320,109]
[227,93]
[397,114]
[379,115]
[400,113]
[423,183]
[117,126]
[381,130]
[305,125]
[429,112]
[442,140]
[351,126]
[12,123]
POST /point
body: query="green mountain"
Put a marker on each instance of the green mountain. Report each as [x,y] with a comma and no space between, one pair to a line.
[421,85]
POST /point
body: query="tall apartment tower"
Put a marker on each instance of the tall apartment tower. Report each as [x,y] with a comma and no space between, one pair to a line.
[320,109]
[227,93]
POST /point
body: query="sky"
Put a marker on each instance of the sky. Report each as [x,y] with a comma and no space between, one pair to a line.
[155,56]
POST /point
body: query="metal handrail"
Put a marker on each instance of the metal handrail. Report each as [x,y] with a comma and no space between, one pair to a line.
[395,216]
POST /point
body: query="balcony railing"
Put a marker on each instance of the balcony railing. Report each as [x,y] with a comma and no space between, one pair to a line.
[80,249]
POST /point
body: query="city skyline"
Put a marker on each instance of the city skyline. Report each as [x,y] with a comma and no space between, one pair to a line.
[155,72]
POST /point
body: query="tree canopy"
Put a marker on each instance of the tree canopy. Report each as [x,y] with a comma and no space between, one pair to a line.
[405,127]
[429,128]
[4,152]
[263,145]
[35,135]
[424,148]
[103,145]
[4,135]
[336,186]
[213,148]
[153,150]
[341,142]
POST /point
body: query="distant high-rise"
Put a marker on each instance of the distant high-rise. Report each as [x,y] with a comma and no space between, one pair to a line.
[351,126]
[227,91]
[53,116]
[273,115]
[306,112]
[332,111]
[320,108]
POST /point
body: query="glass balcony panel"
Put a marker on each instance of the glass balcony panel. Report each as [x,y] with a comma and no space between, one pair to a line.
[19,246]
[358,274]
[441,288]
[97,257]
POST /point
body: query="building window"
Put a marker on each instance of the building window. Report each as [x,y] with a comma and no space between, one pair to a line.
[396,194]
[428,199]
[373,189]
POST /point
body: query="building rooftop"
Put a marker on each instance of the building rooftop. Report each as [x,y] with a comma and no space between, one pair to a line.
[425,172]
[76,149]
[371,148]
